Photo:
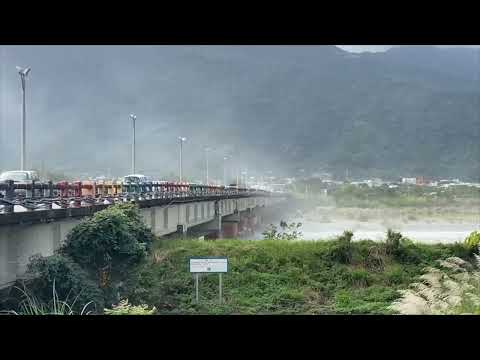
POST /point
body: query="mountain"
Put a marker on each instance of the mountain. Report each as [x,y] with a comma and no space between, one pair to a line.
[408,111]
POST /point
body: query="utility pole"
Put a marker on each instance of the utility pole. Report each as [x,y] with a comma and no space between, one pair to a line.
[23,72]
[134,118]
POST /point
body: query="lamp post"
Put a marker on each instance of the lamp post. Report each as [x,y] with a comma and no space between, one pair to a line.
[23,72]
[225,158]
[206,165]
[134,118]
[182,140]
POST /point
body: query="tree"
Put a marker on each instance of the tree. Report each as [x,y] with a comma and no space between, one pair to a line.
[109,244]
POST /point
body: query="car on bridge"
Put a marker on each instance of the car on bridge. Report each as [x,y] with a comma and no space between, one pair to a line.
[20,177]
[136,179]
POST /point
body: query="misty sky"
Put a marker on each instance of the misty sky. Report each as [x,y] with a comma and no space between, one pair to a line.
[79,98]
[379,48]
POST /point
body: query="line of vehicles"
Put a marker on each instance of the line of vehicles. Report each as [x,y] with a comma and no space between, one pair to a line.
[28,177]
[23,189]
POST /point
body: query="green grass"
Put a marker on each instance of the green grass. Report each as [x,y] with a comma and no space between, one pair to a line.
[282,277]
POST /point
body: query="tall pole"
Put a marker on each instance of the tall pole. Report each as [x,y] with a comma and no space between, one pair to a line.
[181,139]
[181,160]
[23,72]
[206,160]
[24,120]
[134,118]
[224,171]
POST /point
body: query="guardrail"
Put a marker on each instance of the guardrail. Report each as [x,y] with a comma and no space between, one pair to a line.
[61,195]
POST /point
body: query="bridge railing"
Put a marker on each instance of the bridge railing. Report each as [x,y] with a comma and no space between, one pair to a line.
[63,194]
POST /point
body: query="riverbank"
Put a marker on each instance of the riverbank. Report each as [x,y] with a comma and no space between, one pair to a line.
[285,277]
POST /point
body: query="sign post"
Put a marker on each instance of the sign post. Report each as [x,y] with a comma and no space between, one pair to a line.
[220,288]
[217,265]
[196,288]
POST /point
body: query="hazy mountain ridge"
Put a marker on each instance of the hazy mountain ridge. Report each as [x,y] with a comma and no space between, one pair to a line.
[406,111]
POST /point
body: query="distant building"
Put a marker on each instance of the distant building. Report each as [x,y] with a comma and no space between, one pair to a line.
[421,181]
[322,176]
[409,181]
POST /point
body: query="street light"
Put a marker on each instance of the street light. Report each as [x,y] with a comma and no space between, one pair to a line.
[225,158]
[206,164]
[23,72]
[134,118]
[182,140]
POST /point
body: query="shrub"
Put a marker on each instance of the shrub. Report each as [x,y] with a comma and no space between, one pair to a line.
[460,250]
[472,242]
[375,258]
[31,305]
[359,278]
[342,249]
[99,255]
[124,308]
[393,242]
[69,281]
[109,243]
[288,232]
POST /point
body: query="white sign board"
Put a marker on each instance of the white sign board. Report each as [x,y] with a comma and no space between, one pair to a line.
[208,265]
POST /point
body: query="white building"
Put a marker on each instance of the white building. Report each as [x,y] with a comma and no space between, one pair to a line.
[410,181]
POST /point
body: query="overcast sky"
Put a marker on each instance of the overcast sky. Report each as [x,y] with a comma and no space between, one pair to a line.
[79,97]
[377,48]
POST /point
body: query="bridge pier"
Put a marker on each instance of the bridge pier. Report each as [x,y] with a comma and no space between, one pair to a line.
[230,225]
[211,229]
[242,223]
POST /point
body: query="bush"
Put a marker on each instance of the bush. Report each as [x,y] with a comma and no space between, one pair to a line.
[124,308]
[70,281]
[374,260]
[99,255]
[342,249]
[109,243]
[360,278]
[289,232]
[472,242]
[393,242]
[31,305]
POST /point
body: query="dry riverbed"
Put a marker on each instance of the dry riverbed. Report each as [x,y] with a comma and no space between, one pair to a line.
[427,225]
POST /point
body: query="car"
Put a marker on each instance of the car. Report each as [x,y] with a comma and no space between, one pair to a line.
[20,176]
[136,179]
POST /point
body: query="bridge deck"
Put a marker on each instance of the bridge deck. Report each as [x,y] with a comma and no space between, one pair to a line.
[48,215]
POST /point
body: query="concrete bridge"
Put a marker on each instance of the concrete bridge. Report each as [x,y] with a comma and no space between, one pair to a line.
[23,234]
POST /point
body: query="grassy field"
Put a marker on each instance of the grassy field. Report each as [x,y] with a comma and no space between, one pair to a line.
[284,277]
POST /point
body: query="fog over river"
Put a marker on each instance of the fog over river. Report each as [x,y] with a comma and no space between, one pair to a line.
[421,232]
[327,223]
